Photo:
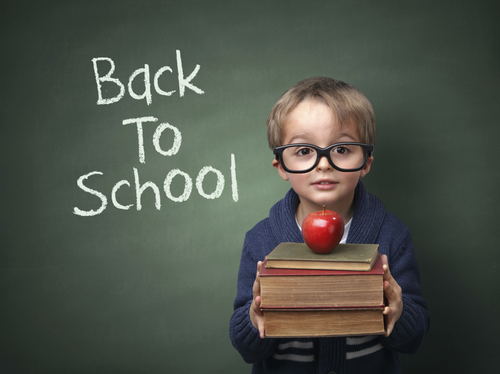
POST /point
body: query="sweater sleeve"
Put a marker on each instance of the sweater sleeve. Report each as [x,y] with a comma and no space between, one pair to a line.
[244,336]
[410,329]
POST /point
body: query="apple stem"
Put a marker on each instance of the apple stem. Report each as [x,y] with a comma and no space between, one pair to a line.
[324,210]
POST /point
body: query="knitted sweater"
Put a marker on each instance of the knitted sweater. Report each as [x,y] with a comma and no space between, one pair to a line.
[371,223]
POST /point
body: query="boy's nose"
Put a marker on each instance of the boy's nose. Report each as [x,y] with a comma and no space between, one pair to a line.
[323,164]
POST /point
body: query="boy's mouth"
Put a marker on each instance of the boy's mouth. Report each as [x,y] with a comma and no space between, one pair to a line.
[324,183]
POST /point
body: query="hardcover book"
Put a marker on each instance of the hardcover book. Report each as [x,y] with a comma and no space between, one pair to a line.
[302,323]
[305,288]
[357,257]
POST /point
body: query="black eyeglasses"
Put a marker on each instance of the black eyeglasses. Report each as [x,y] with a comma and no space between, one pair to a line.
[302,158]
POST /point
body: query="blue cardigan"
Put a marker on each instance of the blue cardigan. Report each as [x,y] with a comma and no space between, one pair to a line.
[371,223]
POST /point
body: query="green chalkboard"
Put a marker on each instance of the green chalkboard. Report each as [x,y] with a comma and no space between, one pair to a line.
[134,158]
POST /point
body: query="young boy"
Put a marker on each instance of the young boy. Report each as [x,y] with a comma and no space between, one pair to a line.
[315,114]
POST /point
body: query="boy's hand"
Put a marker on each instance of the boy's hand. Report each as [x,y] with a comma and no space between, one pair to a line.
[393,294]
[256,315]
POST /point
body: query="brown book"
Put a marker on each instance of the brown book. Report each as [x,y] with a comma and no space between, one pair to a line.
[302,323]
[358,257]
[299,288]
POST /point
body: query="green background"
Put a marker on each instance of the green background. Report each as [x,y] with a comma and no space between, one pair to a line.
[151,291]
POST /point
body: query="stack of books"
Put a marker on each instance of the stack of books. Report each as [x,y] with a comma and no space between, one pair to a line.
[304,294]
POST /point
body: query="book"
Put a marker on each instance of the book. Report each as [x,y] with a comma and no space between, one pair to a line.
[305,288]
[304,323]
[358,257]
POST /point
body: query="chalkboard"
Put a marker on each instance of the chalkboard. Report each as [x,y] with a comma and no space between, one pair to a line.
[134,158]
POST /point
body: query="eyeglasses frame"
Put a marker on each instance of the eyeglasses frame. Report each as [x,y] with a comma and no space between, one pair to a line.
[320,152]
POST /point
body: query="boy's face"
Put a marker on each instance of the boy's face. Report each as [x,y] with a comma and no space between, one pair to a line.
[313,122]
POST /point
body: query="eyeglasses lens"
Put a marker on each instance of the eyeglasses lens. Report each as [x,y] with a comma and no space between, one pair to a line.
[347,156]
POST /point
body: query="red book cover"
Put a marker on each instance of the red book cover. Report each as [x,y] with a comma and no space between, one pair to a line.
[333,299]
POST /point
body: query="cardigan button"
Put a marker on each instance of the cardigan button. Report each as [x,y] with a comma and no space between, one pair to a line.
[331,372]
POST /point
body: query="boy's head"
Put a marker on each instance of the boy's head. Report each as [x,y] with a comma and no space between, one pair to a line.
[347,103]
[321,131]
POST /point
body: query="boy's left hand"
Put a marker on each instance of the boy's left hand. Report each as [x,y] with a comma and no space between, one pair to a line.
[393,294]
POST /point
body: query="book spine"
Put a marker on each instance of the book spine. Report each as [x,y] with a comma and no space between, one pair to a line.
[324,308]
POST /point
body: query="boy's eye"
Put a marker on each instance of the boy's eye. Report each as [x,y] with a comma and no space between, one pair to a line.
[342,150]
[304,151]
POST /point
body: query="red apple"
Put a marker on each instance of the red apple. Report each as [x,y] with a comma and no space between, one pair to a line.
[323,230]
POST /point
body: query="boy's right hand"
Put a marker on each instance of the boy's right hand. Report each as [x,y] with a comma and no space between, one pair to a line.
[256,315]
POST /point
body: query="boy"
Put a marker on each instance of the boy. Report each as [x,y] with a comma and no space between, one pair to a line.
[315,114]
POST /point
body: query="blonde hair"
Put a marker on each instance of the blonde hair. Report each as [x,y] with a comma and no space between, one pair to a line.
[347,103]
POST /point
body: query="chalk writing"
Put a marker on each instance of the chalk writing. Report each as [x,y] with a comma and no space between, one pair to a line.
[107,78]
[145,72]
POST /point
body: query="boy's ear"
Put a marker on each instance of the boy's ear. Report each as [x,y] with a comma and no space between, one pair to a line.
[367,167]
[283,174]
